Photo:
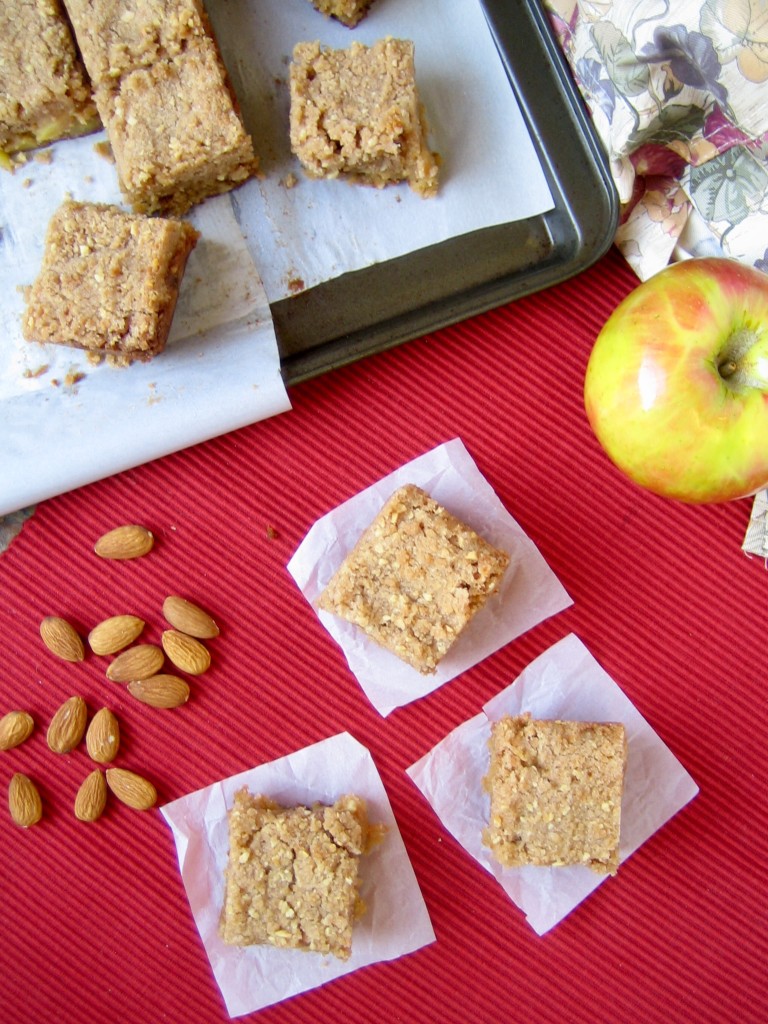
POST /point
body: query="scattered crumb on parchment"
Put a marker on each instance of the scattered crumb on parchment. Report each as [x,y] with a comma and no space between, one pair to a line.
[104,150]
[37,372]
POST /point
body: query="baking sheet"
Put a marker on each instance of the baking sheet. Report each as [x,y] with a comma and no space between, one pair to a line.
[66,423]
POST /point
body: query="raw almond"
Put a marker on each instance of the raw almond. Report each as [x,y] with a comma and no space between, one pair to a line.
[67,725]
[160,691]
[91,798]
[137,662]
[132,789]
[115,633]
[130,541]
[61,637]
[189,618]
[24,801]
[102,740]
[186,653]
[15,727]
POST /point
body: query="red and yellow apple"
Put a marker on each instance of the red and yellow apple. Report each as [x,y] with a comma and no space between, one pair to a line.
[676,388]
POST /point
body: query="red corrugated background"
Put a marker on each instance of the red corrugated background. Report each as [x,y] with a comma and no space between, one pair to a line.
[95,927]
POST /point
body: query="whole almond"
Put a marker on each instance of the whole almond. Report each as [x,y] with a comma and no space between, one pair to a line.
[102,740]
[115,633]
[187,654]
[160,691]
[24,801]
[15,727]
[67,725]
[189,618]
[61,637]
[91,798]
[130,541]
[137,662]
[132,789]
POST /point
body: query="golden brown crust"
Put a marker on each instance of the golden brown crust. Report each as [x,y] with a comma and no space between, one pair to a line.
[415,579]
[556,791]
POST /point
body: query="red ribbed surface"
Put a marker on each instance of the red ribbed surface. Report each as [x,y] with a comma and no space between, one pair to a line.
[95,923]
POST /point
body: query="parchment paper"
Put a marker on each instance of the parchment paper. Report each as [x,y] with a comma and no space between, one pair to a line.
[564,683]
[756,537]
[65,422]
[490,173]
[529,591]
[396,921]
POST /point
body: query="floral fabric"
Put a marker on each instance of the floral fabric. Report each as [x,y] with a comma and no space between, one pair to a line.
[678,95]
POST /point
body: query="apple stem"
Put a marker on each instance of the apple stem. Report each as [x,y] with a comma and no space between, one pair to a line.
[742,362]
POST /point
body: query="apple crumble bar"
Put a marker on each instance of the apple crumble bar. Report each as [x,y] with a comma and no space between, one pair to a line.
[556,791]
[108,282]
[44,91]
[348,12]
[415,579]
[164,97]
[356,114]
[292,878]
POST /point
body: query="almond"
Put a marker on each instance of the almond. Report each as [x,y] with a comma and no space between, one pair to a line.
[160,691]
[24,801]
[189,618]
[130,541]
[60,637]
[137,662]
[186,653]
[132,789]
[102,740]
[115,633]
[91,798]
[15,727]
[67,725]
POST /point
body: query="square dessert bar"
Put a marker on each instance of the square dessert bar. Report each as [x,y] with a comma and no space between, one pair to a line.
[415,579]
[292,877]
[356,113]
[44,91]
[108,282]
[556,791]
[348,12]
[164,97]
[175,133]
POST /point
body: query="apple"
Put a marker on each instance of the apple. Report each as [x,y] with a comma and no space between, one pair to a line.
[676,387]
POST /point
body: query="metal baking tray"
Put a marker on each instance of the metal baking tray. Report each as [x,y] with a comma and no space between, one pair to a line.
[383,305]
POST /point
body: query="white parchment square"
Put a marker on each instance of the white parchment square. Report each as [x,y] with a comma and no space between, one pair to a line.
[564,683]
[395,922]
[529,592]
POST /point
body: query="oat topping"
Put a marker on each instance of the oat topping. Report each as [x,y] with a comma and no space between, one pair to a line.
[556,791]
[356,113]
[292,878]
[109,281]
[415,579]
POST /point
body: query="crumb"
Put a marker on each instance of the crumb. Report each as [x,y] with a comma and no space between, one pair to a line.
[272,533]
[44,156]
[290,180]
[38,372]
[296,285]
[27,183]
[104,150]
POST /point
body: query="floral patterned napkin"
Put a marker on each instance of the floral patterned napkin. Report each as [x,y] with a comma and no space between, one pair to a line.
[678,98]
